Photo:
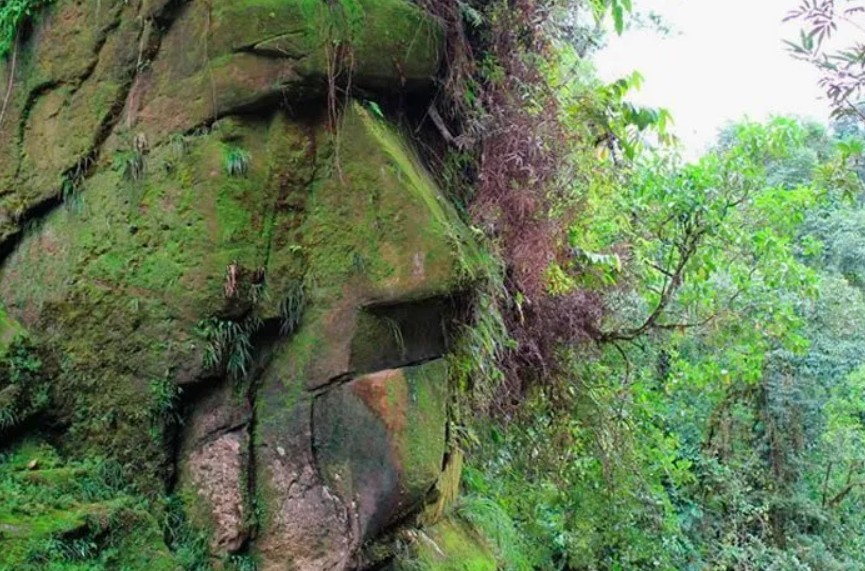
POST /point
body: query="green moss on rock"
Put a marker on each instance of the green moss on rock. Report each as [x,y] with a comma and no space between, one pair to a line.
[58,514]
[450,545]
[380,440]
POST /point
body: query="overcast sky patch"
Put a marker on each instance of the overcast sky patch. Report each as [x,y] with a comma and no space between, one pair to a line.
[723,61]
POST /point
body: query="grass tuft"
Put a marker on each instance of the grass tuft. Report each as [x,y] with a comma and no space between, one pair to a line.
[237,161]
[291,308]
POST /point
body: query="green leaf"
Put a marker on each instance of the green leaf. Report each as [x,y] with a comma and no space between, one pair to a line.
[373,106]
[618,18]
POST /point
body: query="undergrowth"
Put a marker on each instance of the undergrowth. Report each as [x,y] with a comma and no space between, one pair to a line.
[489,518]
[189,546]
[23,389]
[69,515]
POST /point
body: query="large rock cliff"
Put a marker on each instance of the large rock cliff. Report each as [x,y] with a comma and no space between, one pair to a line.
[228,274]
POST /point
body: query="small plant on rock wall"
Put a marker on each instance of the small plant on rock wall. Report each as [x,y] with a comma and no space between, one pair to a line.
[130,164]
[72,181]
[291,308]
[236,161]
[229,344]
[395,331]
[164,400]
[179,145]
[164,395]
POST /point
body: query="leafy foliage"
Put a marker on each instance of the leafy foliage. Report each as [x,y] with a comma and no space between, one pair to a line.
[23,390]
[13,15]
[716,424]
[841,68]
[229,344]
[522,127]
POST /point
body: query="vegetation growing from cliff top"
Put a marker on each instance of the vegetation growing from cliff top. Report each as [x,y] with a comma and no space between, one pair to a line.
[526,126]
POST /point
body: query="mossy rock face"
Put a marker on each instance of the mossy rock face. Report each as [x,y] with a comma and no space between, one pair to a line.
[229,285]
[69,80]
[225,56]
[117,282]
[91,77]
[380,441]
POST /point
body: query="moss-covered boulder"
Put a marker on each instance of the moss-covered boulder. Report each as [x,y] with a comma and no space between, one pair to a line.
[239,281]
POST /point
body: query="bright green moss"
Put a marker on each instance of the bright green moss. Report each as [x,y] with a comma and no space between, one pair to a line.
[65,515]
[450,545]
[10,329]
[425,436]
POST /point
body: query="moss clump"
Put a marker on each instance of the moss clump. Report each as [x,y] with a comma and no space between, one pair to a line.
[69,515]
[448,546]
[24,390]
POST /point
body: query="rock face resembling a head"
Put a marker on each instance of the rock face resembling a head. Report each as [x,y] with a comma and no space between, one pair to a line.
[199,213]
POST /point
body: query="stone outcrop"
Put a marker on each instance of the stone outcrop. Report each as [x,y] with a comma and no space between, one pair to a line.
[191,198]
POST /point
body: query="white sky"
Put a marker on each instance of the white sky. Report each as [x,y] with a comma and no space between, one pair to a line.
[725,60]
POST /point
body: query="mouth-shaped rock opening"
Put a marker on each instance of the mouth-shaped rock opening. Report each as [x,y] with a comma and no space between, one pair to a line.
[394,335]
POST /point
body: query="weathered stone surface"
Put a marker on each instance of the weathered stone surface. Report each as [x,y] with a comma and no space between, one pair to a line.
[225,56]
[377,232]
[305,524]
[218,471]
[198,214]
[68,82]
[214,468]
[380,441]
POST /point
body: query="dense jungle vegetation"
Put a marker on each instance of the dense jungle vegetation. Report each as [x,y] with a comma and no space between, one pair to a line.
[682,383]
[663,364]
